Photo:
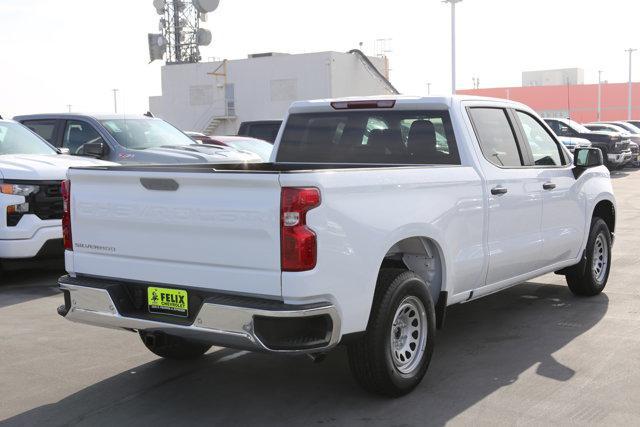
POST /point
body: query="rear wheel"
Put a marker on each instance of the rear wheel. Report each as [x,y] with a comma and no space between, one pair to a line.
[393,355]
[590,278]
[171,347]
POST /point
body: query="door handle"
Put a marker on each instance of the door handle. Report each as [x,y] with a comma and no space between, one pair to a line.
[498,190]
[548,186]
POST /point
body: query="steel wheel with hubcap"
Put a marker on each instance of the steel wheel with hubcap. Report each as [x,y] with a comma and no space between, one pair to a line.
[393,355]
[589,277]
[600,258]
[408,334]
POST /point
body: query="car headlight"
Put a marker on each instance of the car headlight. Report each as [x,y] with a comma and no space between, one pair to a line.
[19,189]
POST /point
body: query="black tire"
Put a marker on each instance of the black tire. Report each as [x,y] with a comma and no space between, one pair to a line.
[370,357]
[586,279]
[170,347]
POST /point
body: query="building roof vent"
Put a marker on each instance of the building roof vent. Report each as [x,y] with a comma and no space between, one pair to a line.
[265,54]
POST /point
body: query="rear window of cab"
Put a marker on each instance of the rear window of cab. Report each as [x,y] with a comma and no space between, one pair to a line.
[370,137]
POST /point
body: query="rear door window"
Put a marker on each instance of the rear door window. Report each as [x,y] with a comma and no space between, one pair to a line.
[45,128]
[496,136]
[381,137]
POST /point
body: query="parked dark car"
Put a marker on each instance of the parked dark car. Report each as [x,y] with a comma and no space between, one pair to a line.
[266,130]
[127,139]
[615,149]
[626,131]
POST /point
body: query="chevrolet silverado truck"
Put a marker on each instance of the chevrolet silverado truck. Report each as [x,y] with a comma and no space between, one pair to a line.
[372,216]
[615,148]
[31,172]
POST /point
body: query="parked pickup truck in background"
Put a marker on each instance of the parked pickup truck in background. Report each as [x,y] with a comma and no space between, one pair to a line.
[614,148]
[30,200]
[127,139]
[267,130]
[373,216]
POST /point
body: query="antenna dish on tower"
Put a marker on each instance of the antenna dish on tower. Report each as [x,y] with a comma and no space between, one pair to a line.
[159,5]
[181,36]
[205,6]
[203,37]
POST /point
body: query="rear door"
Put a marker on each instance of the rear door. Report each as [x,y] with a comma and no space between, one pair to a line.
[515,196]
[218,231]
[563,207]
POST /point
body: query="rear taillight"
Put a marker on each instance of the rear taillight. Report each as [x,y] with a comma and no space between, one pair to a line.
[65,188]
[298,246]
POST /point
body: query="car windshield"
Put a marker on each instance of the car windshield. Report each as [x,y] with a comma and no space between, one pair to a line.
[578,127]
[628,127]
[17,139]
[261,148]
[140,134]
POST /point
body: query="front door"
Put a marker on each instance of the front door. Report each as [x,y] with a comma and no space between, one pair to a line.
[563,207]
[515,198]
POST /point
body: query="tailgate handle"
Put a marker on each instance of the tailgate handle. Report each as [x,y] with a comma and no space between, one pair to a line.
[159,184]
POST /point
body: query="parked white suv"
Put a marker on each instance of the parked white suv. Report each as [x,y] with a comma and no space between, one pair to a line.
[373,216]
[31,171]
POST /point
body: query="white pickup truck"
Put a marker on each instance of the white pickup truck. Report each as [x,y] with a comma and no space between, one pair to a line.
[31,171]
[372,217]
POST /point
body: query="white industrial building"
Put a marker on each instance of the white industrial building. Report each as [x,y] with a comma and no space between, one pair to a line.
[564,76]
[215,97]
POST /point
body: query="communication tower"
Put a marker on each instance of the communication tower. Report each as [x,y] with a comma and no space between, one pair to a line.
[180,36]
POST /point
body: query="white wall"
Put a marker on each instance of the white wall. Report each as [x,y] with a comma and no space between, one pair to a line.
[349,77]
[264,87]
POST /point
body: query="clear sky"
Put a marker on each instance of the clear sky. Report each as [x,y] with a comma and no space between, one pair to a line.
[54,53]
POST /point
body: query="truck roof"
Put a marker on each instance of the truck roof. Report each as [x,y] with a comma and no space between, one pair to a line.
[407,100]
[97,116]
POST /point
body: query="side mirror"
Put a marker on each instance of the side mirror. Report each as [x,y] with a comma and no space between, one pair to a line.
[94,149]
[584,158]
[587,157]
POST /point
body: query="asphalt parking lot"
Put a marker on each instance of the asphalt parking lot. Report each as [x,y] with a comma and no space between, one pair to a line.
[533,354]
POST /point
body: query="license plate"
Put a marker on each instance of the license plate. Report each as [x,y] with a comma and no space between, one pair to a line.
[168,301]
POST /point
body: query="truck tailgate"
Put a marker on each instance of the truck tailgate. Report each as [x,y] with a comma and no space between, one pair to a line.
[218,231]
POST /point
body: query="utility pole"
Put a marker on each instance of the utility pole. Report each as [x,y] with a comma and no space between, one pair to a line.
[630,51]
[453,43]
[69,107]
[115,100]
[599,95]
[428,88]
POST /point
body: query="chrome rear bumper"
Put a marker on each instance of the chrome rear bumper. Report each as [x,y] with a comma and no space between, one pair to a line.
[224,325]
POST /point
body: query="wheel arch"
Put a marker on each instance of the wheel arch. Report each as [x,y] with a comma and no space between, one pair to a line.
[424,256]
[606,210]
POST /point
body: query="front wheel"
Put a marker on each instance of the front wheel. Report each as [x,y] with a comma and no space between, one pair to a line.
[592,278]
[393,355]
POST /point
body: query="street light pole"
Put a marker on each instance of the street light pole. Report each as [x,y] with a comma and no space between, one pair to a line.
[599,94]
[630,53]
[453,43]
[115,100]
[428,88]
